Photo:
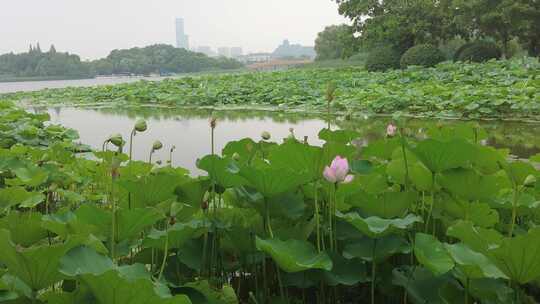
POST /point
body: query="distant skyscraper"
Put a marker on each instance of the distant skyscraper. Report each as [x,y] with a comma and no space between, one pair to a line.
[224,51]
[182,40]
[236,52]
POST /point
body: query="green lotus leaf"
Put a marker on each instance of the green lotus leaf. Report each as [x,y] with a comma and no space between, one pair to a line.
[473,264]
[386,204]
[487,159]
[18,196]
[419,175]
[347,272]
[223,171]
[245,148]
[377,250]
[28,263]
[175,235]
[518,171]
[338,136]
[535,158]
[432,254]
[382,149]
[424,287]
[212,295]
[480,214]
[459,182]
[151,190]
[376,227]
[517,257]
[478,239]
[130,223]
[439,156]
[468,131]
[294,255]
[298,157]
[109,283]
[271,181]
[25,228]
[30,175]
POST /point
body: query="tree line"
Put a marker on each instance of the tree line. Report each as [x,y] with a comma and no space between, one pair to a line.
[160,58]
[403,24]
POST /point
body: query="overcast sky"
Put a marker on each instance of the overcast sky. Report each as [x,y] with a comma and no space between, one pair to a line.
[93,28]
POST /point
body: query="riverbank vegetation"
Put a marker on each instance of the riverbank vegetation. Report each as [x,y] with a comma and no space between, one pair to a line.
[496,89]
[155,59]
[271,222]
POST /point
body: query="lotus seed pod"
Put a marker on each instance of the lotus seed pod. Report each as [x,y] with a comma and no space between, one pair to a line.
[116,140]
[140,125]
[530,180]
[157,145]
[213,122]
[236,156]
[265,135]
[159,162]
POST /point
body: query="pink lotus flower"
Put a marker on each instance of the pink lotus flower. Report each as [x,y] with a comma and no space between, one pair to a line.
[391,130]
[338,172]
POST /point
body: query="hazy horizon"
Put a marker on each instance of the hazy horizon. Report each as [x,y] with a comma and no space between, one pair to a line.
[93,29]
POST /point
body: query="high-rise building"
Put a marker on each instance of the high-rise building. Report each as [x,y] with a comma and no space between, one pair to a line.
[182,40]
[224,52]
[236,52]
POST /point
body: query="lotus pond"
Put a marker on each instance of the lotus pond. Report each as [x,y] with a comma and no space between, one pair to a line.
[361,213]
[497,89]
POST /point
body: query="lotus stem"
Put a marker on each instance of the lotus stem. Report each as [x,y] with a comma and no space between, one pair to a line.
[113,220]
[317,216]
[131,144]
[432,202]
[467,291]
[373,272]
[514,211]
[403,145]
[165,253]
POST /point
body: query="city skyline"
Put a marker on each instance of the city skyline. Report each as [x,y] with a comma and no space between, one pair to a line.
[92,32]
[182,39]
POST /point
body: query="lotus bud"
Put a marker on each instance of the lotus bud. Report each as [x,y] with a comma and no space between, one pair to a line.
[529,181]
[236,156]
[213,122]
[391,130]
[140,125]
[265,135]
[117,140]
[157,145]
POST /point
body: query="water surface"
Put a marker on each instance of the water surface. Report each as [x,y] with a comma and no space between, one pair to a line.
[28,86]
[189,130]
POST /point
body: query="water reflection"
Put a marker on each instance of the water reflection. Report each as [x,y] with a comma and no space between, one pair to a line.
[189,130]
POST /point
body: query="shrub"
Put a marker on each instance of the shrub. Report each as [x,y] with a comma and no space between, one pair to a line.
[425,55]
[478,51]
[382,59]
[450,47]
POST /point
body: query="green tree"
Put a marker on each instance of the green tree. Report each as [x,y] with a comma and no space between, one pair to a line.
[336,41]
[401,24]
[499,19]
